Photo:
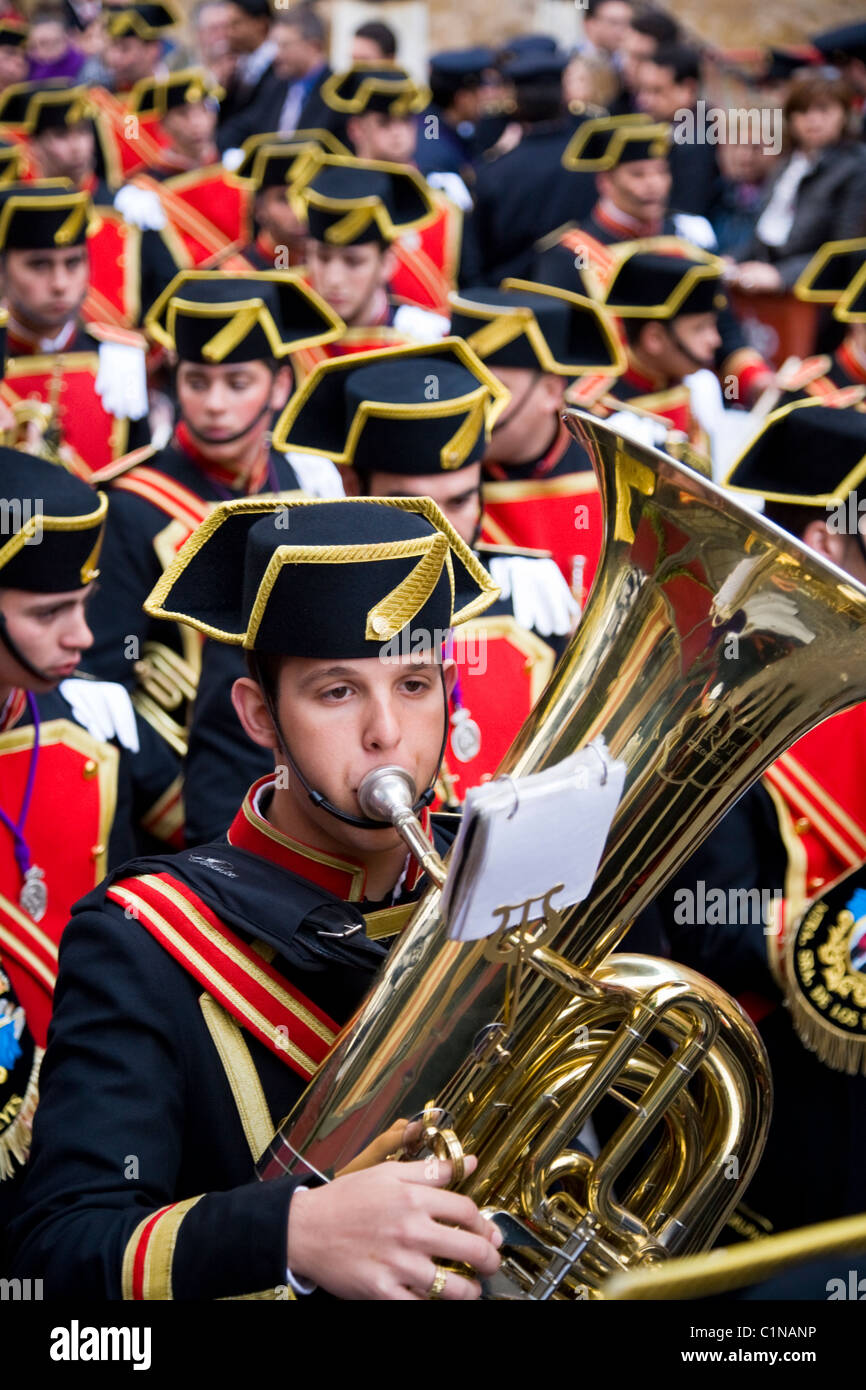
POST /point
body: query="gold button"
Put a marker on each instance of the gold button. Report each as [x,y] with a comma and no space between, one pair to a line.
[380,625]
[96,851]
[90,768]
[801,825]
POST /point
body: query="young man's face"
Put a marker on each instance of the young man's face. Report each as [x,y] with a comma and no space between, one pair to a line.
[343,719]
[639,188]
[698,333]
[45,289]
[295,55]
[376,135]
[528,425]
[191,127]
[130,59]
[228,406]
[50,630]
[457,495]
[636,49]
[67,152]
[349,278]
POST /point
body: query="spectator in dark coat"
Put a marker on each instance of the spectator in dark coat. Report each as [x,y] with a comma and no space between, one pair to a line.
[818,193]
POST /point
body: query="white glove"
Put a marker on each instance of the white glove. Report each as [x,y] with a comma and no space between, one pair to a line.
[539,595]
[104,709]
[420,325]
[317,476]
[121,381]
[141,207]
[453,187]
[638,428]
[233,158]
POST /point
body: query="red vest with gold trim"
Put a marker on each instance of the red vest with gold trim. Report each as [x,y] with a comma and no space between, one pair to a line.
[131,141]
[90,438]
[74,771]
[561,514]
[115,271]
[502,669]
[428,259]
[208,210]
[819,790]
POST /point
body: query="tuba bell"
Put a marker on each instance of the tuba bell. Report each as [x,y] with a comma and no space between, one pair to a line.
[711,642]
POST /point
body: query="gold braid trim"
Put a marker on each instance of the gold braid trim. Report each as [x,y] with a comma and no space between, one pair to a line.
[15,1141]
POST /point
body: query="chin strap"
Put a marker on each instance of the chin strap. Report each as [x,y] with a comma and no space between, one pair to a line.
[17,655]
[318,798]
[686,352]
[231,438]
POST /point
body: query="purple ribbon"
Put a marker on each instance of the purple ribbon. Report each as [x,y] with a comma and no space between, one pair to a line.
[16,828]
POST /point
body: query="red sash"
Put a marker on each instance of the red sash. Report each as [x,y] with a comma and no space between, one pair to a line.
[274,1011]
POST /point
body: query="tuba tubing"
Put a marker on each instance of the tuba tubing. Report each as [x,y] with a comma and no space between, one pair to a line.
[711,641]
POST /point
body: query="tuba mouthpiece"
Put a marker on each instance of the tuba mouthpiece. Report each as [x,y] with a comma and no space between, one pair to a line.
[386,792]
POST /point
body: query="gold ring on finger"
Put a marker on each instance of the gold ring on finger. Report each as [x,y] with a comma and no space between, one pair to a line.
[439,1281]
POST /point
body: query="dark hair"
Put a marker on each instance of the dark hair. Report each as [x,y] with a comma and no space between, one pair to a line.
[539,101]
[813,88]
[683,60]
[308,24]
[381,35]
[656,24]
[592,7]
[793,517]
[264,668]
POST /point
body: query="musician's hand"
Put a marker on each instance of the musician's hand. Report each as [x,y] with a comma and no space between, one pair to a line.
[376,1234]
[391,1142]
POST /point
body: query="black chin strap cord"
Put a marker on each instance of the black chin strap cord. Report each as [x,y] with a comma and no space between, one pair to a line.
[230,438]
[318,798]
[686,352]
[17,655]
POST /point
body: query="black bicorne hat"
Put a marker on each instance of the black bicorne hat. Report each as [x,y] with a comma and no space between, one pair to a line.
[419,410]
[205,316]
[54,525]
[269,158]
[44,215]
[604,142]
[10,163]
[346,201]
[153,96]
[323,579]
[527,324]
[55,109]
[806,453]
[660,278]
[13,33]
[831,270]
[851,307]
[365,87]
[16,99]
[145,21]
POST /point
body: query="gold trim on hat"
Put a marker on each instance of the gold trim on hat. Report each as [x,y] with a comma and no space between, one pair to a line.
[708,267]
[199,88]
[484,404]
[803,288]
[505,323]
[843,311]
[823,499]
[410,96]
[154,604]
[242,314]
[120,21]
[78,205]
[623,130]
[357,212]
[40,522]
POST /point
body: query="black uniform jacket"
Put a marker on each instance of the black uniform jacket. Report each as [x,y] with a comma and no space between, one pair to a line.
[156,1103]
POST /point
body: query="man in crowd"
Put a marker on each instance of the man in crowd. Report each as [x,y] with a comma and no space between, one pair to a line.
[356,210]
[668,84]
[286,95]
[84,384]
[168,1075]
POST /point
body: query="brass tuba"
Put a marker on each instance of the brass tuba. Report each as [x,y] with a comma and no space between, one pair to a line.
[710,642]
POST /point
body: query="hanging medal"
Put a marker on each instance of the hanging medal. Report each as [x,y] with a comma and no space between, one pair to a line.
[33,896]
[465,733]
